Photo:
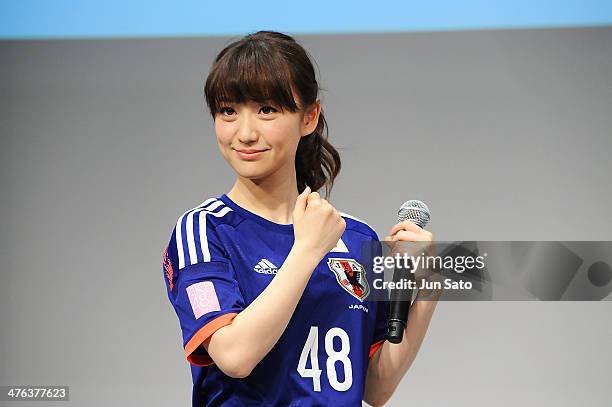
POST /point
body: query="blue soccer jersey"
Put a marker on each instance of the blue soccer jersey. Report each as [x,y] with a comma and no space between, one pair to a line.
[221,257]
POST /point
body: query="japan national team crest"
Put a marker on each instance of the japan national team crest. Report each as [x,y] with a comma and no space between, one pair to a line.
[351,276]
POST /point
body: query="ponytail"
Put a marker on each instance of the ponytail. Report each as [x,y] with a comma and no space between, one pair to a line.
[317,163]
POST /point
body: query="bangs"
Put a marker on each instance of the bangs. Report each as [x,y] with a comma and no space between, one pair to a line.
[251,71]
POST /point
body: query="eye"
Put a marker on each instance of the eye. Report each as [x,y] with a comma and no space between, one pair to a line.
[267,109]
[226,111]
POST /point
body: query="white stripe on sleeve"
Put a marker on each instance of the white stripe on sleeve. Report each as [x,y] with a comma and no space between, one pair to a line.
[179,232]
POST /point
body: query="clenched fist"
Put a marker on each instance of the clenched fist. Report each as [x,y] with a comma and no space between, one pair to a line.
[317,224]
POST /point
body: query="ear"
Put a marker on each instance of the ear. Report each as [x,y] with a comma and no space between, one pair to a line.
[311,118]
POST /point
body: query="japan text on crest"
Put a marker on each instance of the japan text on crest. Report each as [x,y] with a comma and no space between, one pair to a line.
[351,276]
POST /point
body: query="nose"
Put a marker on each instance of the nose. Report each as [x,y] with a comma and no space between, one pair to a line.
[247,133]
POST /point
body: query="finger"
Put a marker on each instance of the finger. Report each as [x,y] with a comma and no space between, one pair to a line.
[304,195]
[405,225]
[329,207]
[410,236]
[389,244]
[314,196]
[300,203]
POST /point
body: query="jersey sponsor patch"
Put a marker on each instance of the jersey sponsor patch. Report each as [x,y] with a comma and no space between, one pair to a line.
[351,276]
[203,298]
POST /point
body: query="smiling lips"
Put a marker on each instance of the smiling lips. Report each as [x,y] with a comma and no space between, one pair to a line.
[250,154]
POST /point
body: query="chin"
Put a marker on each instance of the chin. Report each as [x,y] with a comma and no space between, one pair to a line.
[251,173]
[253,170]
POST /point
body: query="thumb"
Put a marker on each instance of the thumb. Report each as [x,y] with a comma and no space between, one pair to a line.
[300,204]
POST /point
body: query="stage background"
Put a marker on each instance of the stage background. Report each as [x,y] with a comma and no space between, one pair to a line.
[505,133]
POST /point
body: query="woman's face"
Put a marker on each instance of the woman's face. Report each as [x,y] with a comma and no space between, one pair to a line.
[258,139]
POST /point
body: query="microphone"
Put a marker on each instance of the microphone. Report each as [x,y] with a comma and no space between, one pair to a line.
[417,212]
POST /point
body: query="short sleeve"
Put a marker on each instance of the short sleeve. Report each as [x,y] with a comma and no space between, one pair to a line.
[201,285]
[381,327]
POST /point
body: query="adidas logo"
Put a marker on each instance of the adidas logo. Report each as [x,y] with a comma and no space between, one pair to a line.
[265,267]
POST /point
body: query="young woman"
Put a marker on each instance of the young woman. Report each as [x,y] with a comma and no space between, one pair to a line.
[267,280]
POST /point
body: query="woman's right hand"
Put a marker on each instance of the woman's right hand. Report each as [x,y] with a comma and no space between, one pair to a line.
[317,225]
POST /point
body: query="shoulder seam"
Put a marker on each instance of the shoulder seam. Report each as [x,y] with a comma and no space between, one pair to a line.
[344,214]
[195,237]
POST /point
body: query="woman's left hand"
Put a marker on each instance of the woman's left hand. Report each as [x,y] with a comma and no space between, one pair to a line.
[408,231]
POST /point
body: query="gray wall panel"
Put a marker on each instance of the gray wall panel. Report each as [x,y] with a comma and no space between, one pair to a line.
[104,143]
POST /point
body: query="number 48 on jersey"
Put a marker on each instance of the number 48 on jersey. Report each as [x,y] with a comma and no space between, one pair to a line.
[311,351]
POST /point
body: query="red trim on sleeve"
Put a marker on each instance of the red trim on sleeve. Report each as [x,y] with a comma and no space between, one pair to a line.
[168,269]
[374,348]
[204,359]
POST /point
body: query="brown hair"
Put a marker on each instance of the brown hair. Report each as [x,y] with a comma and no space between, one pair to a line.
[266,66]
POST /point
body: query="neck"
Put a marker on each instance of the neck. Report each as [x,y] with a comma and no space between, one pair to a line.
[272,198]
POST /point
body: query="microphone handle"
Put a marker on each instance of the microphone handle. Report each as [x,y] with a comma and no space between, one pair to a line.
[399,306]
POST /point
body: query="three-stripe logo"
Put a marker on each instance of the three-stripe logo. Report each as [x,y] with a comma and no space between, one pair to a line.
[191,232]
[265,266]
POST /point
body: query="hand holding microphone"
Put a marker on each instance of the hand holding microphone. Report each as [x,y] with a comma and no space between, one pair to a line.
[412,218]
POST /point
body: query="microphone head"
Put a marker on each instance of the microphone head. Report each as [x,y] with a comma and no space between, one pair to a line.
[415,211]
